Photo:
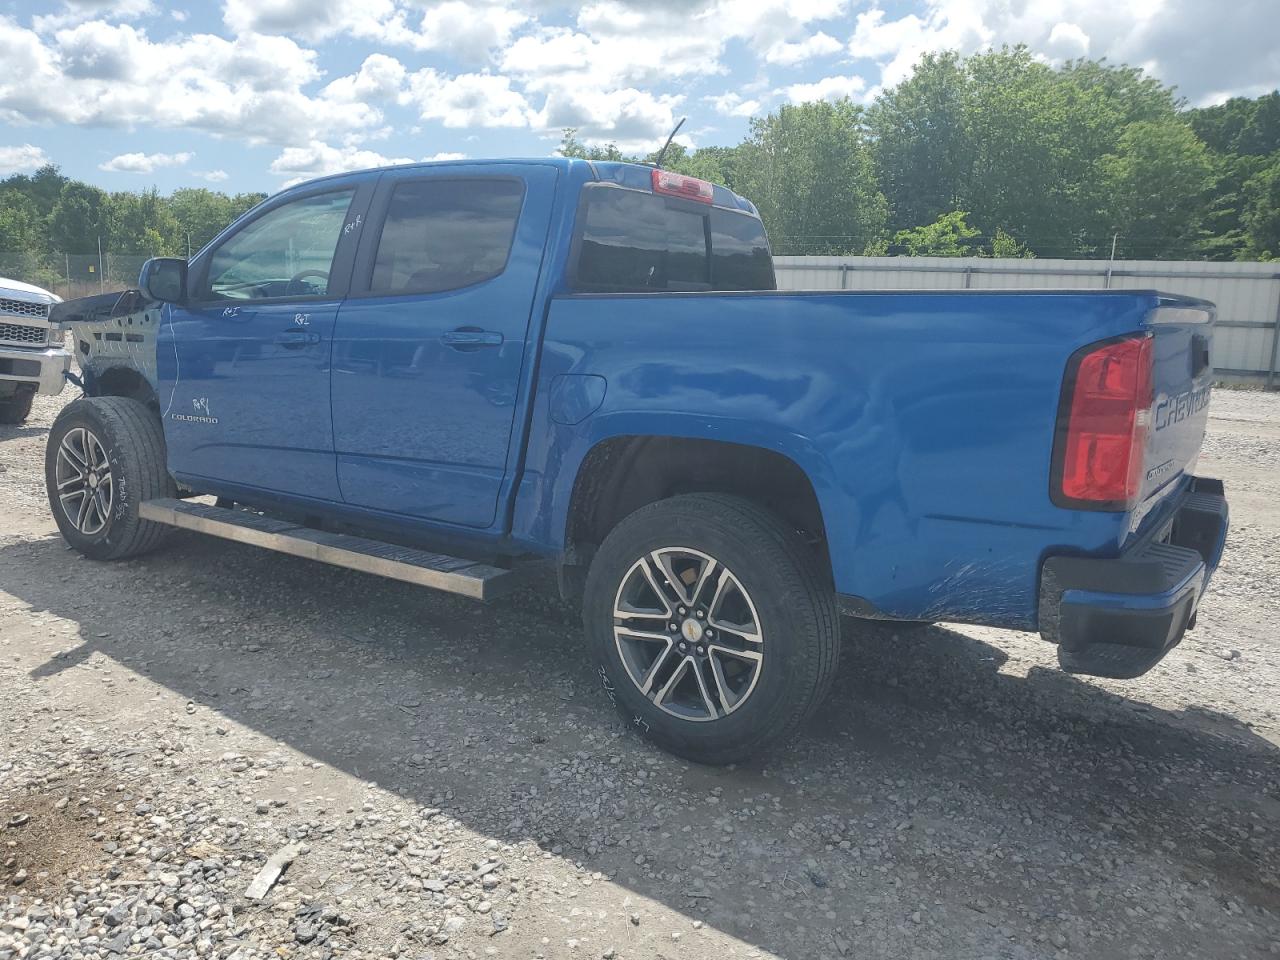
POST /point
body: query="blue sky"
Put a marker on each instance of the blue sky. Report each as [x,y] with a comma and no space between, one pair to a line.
[255,94]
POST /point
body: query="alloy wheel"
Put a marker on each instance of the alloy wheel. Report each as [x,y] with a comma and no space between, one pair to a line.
[86,489]
[688,634]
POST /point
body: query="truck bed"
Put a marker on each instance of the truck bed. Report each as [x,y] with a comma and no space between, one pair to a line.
[925,421]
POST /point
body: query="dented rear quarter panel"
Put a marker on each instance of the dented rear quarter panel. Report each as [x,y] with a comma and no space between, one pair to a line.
[925,422]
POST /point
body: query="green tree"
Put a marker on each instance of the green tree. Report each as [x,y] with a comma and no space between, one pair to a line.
[1160,176]
[144,223]
[571,146]
[1003,245]
[78,218]
[1011,140]
[921,140]
[19,222]
[808,169]
[1261,213]
[21,238]
[948,236]
[1240,126]
[715,164]
[1016,116]
[1244,137]
[42,188]
[202,214]
[1223,231]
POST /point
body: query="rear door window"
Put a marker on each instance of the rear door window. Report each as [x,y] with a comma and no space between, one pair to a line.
[443,234]
[740,254]
[634,241]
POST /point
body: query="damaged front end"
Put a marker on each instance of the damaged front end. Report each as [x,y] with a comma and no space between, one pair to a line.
[113,336]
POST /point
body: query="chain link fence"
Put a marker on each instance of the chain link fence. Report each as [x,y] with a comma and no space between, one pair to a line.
[71,275]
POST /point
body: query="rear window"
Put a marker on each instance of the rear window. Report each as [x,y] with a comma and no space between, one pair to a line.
[634,241]
[445,234]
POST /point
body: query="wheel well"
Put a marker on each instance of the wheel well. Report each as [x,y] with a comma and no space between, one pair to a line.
[124,382]
[622,474]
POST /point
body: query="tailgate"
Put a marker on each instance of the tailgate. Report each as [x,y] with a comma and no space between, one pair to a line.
[1182,379]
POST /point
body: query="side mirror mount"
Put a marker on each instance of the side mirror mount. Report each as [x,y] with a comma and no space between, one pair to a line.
[164,279]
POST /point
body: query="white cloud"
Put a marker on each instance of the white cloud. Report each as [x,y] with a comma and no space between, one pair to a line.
[318,159]
[77,11]
[442,157]
[380,77]
[1206,50]
[145,162]
[828,88]
[308,19]
[559,57]
[617,70]
[789,54]
[113,75]
[467,100]
[608,74]
[213,176]
[467,31]
[732,105]
[19,158]
[636,120]
[1067,41]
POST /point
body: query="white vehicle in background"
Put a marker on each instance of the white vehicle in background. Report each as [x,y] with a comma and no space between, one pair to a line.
[32,357]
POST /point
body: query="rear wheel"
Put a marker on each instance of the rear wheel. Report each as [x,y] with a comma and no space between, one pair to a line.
[715,630]
[16,407]
[104,457]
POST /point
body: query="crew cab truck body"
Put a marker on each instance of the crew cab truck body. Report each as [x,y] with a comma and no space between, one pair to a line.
[32,358]
[586,366]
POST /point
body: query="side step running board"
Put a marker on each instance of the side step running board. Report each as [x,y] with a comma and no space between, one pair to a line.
[479,581]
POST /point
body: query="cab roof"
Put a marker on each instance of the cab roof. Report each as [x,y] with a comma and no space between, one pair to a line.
[634,176]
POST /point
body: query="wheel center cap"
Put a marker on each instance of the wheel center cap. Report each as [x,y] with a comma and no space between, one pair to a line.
[93,481]
[691,629]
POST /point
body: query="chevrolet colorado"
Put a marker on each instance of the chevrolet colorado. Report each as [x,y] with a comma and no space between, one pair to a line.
[455,374]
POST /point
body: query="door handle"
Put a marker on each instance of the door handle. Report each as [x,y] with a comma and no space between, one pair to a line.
[294,338]
[471,338]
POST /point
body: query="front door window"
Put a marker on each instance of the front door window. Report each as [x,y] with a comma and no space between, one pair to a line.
[284,254]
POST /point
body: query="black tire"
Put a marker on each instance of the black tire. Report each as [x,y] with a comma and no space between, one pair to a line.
[794,606]
[17,408]
[130,436]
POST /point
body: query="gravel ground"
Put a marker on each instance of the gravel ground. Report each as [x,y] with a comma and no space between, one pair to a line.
[452,782]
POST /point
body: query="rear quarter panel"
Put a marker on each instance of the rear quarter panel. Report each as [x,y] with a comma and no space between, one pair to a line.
[925,423]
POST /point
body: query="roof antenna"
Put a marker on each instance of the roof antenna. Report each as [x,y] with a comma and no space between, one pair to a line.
[663,152]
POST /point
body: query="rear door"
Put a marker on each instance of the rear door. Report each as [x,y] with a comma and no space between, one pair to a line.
[429,346]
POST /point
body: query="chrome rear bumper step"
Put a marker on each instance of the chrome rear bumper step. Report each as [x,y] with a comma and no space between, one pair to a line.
[479,581]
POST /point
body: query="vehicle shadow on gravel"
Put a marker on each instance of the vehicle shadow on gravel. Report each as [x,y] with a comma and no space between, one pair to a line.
[10,432]
[926,758]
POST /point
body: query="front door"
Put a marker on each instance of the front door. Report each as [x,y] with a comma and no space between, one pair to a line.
[429,344]
[244,365]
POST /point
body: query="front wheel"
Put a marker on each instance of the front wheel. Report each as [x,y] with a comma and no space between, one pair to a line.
[715,629]
[105,456]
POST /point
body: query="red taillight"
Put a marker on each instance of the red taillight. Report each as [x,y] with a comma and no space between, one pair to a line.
[1100,450]
[678,185]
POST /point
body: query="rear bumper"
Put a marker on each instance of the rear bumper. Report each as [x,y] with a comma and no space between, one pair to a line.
[1119,617]
[43,367]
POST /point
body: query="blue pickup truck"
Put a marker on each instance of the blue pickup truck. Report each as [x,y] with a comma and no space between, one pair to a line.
[467,374]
